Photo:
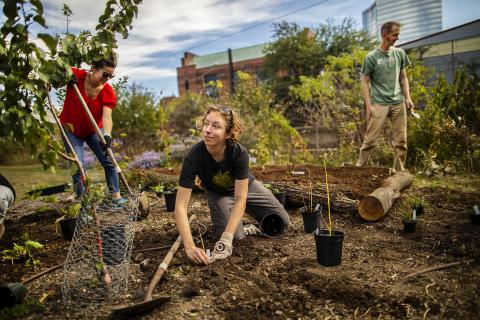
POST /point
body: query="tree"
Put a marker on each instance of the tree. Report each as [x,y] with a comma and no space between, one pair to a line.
[27,70]
[297,52]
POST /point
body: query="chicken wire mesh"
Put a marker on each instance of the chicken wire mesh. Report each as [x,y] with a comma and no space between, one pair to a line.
[98,262]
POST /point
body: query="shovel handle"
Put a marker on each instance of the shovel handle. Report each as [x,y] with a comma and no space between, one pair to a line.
[102,139]
[162,268]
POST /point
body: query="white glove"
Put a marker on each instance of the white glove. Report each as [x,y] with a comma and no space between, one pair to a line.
[223,248]
[251,230]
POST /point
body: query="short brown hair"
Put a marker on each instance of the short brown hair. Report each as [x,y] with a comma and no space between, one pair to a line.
[234,126]
[110,61]
[387,26]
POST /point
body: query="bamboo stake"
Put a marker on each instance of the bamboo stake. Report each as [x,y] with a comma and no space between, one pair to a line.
[440,267]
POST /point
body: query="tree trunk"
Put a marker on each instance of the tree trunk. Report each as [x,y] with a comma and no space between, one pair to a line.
[339,202]
[374,206]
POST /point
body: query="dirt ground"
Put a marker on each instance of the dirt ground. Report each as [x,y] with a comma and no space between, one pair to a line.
[280,278]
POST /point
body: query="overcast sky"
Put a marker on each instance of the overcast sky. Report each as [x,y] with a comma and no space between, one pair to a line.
[165,28]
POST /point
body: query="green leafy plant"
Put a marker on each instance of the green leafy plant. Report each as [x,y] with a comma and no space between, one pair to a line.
[170,187]
[158,188]
[27,251]
[274,189]
[20,311]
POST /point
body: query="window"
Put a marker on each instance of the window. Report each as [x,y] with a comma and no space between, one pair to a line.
[187,85]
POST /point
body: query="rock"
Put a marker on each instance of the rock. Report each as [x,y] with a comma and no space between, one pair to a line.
[145,264]
[449,170]
[279,313]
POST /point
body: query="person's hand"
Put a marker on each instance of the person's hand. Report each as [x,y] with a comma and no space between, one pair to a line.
[197,255]
[409,105]
[369,111]
[223,248]
[73,80]
[108,142]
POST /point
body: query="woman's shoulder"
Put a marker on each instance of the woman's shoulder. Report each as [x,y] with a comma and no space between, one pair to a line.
[236,149]
[196,149]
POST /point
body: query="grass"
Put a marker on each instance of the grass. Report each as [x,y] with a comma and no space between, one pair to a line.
[24,178]
[463,182]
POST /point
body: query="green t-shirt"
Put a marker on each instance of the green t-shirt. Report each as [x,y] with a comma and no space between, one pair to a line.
[384,70]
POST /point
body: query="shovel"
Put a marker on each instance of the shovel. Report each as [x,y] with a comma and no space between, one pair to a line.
[148,302]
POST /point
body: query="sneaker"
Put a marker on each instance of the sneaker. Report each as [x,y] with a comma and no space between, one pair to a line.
[120,201]
[251,230]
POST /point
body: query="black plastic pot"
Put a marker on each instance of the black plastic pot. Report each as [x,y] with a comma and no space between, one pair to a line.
[68,228]
[114,244]
[170,198]
[409,225]
[475,218]
[418,209]
[272,225]
[329,247]
[310,218]
[282,197]
[11,294]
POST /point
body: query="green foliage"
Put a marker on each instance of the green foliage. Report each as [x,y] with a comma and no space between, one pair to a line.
[26,251]
[27,70]
[445,133]
[274,189]
[297,52]
[20,311]
[71,211]
[136,118]
[267,133]
[182,113]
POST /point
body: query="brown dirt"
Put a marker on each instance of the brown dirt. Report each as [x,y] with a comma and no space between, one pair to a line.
[280,278]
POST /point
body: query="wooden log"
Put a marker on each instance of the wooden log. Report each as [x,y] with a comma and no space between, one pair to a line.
[374,206]
[339,202]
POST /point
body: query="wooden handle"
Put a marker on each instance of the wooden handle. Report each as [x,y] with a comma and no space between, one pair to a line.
[102,139]
[164,265]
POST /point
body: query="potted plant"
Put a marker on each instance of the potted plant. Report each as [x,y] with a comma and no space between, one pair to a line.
[158,189]
[68,220]
[310,214]
[279,193]
[418,204]
[170,194]
[410,221]
[328,242]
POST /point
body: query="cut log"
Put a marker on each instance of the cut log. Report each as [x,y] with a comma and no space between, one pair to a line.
[374,206]
[339,202]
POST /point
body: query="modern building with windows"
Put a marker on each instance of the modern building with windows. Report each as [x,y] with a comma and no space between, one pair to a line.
[198,73]
[445,51]
[417,17]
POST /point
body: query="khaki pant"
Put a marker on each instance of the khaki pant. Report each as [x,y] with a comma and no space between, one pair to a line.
[398,118]
[260,203]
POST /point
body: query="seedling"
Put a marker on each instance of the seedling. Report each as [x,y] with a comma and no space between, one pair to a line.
[158,188]
[275,190]
[27,250]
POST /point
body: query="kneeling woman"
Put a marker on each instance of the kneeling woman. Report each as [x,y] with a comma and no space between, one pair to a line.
[221,163]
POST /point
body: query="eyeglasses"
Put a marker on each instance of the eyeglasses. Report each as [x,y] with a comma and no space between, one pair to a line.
[226,110]
[108,76]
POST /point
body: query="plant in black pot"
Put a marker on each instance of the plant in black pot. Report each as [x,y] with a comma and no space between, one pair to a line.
[170,194]
[278,192]
[310,214]
[328,242]
[410,221]
[419,204]
[158,189]
[68,220]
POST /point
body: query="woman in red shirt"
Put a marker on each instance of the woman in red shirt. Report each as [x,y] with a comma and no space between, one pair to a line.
[101,100]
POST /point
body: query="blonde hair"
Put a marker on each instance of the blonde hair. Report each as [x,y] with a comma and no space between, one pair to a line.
[234,126]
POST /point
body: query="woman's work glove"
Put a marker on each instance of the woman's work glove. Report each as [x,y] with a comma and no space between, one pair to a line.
[108,142]
[223,248]
[73,80]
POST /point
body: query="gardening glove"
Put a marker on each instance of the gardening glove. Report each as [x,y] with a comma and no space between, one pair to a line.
[251,230]
[223,248]
[108,142]
[73,80]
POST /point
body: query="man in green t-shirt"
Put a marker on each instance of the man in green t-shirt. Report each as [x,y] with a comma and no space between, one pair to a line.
[387,95]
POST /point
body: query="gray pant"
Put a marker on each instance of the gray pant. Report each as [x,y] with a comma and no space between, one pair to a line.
[260,203]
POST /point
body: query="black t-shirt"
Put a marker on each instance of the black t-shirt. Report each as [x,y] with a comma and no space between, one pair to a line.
[216,176]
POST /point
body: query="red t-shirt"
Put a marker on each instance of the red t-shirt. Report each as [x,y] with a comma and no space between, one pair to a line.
[73,114]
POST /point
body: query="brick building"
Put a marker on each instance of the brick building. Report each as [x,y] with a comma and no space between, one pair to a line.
[197,71]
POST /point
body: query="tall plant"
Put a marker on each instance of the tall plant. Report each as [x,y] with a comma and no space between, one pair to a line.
[28,70]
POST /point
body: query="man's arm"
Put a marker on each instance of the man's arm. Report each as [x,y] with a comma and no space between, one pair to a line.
[195,254]
[406,89]
[366,93]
